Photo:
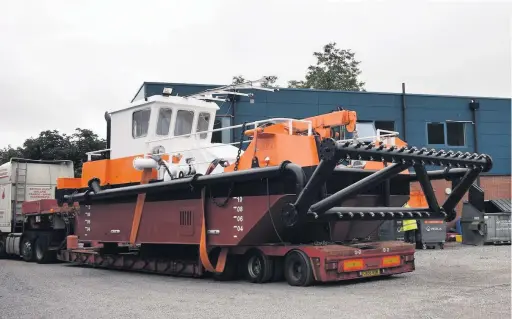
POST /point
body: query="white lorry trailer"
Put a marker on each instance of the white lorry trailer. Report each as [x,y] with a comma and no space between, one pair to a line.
[21,180]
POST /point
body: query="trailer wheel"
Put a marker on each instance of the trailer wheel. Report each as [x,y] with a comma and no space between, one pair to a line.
[230,270]
[27,251]
[259,268]
[278,269]
[42,254]
[297,269]
[3,253]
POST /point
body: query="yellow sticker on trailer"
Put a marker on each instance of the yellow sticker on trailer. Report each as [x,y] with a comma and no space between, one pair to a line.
[370,273]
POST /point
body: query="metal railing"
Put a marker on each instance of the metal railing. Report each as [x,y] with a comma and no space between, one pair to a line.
[96,153]
[254,124]
[377,138]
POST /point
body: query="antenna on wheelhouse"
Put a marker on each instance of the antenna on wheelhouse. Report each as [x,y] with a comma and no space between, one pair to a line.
[231,89]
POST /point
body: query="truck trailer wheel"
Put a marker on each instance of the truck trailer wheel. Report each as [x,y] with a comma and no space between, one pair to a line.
[278,269]
[230,270]
[297,269]
[259,268]
[42,254]
[27,251]
[3,253]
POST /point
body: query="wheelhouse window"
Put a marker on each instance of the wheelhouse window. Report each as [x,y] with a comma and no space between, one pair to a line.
[184,120]
[202,124]
[164,121]
[140,123]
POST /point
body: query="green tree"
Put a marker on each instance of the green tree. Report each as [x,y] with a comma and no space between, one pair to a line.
[9,152]
[239,79]
[51,145]
[335,69]
[268,80]
[83,141]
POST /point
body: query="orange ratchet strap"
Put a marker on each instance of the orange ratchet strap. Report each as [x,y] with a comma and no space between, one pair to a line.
[146,175]
[203,252]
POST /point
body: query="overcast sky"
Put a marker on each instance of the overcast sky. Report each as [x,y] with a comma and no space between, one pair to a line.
[64,63]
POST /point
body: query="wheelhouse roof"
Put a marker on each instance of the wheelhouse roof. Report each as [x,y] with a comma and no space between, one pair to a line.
[177,100]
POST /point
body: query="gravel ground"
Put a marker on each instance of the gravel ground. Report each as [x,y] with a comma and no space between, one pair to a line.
[458,282]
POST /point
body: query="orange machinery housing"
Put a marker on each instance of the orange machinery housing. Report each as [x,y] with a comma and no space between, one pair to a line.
[273,142]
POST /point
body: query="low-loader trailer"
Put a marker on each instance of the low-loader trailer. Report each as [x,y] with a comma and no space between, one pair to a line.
[301,202]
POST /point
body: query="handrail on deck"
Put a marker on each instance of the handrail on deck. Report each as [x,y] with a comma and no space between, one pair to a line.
[255,124]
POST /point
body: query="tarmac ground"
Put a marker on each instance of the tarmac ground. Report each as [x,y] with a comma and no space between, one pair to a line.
[457,282]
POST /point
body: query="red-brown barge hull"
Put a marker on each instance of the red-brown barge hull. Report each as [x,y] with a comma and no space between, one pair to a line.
[244,220]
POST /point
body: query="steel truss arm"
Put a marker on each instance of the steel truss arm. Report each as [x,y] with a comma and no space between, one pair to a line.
[402,158]
[358,187]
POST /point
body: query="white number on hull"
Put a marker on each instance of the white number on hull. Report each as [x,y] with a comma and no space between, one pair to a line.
[239,219]
[87,221]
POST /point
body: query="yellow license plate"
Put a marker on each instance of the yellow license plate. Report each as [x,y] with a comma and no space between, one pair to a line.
[370,273]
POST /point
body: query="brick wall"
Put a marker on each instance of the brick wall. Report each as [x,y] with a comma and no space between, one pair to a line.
[494,187]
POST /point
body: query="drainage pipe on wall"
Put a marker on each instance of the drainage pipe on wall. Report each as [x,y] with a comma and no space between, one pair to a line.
[404,136]
[473,106]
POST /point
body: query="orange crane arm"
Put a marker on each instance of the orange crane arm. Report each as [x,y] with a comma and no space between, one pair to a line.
[321,124]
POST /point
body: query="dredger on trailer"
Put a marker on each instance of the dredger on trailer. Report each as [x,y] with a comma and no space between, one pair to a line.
[163,198]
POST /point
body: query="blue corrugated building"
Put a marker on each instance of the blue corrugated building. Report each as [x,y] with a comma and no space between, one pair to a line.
[433,121]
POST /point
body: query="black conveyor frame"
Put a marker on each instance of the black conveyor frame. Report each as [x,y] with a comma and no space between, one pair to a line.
[457,164]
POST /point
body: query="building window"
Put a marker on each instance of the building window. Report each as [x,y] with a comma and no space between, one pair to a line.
[449,134]
[223,136]
[184,120]
[202,124]
[140,123]
[385,125]
[435,133]
[164,121]
[455,134]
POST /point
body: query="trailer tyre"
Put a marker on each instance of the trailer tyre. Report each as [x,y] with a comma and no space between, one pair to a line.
[297,269]
[259,268]
[42,254]
[278,269]
[3,253]
[230,270]
[27,249]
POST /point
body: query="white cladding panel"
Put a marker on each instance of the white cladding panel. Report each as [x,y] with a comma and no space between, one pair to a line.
[5,208]
[122,142]
[39,183]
